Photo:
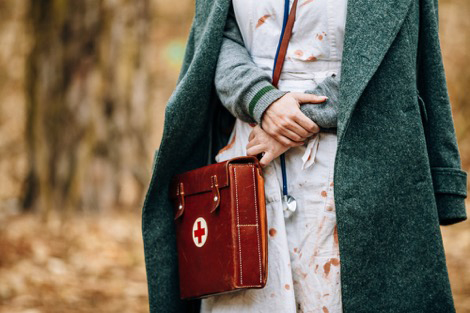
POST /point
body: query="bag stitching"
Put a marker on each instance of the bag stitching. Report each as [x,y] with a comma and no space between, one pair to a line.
[238,228]
[257,230]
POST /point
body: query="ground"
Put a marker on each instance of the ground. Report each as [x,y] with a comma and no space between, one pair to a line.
[95,263]
[87,264]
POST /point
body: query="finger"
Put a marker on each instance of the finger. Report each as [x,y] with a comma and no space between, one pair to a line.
[289,132]
[251,143]
[300,130]
[286,141]
[266,159]
[303,98]
[255,149]
[287,122]
[306,123]
[252,134]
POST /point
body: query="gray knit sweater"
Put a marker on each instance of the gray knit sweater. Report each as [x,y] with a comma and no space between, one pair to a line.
[246,90]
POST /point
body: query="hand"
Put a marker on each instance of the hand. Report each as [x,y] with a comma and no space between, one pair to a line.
[261,142]
[284,121]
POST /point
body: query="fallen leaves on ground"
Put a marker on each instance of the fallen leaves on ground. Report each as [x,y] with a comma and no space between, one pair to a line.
[85,264]
[95,263]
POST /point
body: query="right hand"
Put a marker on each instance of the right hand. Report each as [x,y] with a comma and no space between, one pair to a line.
[284,121]
[261,142]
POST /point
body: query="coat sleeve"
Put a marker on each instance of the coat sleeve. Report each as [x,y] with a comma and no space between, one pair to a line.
[242,87]
[449,180]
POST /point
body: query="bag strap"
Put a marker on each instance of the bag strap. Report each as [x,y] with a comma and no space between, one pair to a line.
[284,43]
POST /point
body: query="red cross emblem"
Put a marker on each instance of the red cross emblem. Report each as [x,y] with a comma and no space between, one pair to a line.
[200,232]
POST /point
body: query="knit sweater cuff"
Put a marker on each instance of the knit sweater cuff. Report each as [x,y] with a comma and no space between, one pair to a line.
[260,97]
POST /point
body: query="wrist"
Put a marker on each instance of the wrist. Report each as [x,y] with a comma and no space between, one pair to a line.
[270,105]
[260,97]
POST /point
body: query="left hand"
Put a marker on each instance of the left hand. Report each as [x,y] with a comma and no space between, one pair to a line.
[284,120]
[261,142]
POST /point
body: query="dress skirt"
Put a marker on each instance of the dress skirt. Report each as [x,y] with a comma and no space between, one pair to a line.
[303,254]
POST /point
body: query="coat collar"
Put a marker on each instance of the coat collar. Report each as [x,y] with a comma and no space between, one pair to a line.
[371,27]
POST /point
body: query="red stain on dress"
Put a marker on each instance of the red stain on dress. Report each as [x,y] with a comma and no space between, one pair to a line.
[299,53]
[324,193]
[335,235]
[311,58]
[334,261]
[312,259]
[320,36]
[287,286]
[326,268]
[272,232]
[325,309]
[263,19]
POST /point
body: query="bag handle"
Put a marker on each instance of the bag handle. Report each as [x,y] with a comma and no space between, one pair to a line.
[284,43]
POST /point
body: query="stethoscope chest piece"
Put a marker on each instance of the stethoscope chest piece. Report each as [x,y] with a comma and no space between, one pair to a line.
[289,205]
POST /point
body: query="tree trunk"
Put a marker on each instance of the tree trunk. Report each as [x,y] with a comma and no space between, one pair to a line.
[87,104]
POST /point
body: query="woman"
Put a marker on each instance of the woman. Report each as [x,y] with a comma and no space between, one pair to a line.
[304,261]
[397,172]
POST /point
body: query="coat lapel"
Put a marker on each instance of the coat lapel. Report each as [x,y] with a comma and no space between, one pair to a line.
[371,27]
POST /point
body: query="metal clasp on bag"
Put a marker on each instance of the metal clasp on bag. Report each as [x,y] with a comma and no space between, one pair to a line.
[215,193]
[215,197]
[180,194]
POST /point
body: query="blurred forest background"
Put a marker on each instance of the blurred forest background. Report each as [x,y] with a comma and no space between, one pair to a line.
[83,86]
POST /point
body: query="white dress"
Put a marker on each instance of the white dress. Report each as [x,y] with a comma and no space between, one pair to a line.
[303,252]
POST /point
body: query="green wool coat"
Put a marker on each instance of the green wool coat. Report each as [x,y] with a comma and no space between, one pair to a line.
[397,176]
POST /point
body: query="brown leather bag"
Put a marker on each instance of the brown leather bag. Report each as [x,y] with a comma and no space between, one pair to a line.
[220,219]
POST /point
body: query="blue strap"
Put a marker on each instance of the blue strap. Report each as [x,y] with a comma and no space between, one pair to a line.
[283,157]
[284,177]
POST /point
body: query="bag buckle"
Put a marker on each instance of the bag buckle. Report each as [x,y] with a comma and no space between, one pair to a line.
[180,194]
[215,193]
